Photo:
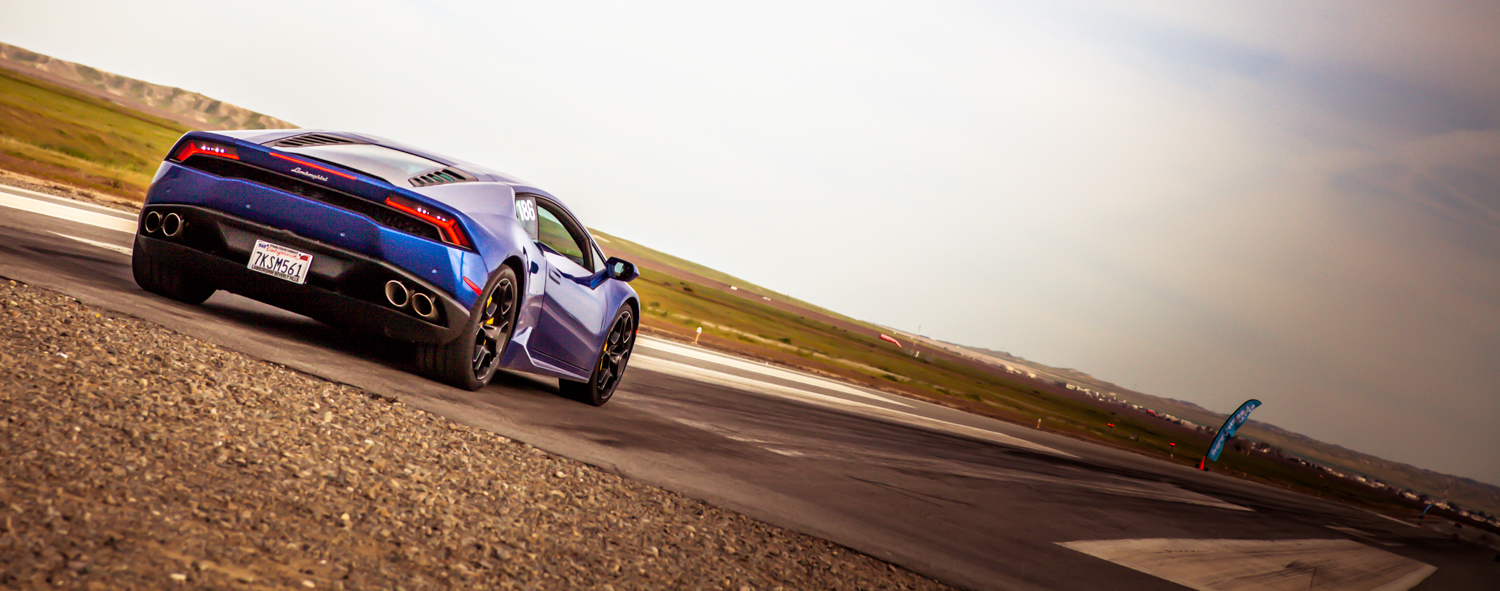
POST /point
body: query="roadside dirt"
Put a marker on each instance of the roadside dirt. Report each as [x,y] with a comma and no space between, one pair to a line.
[132,457]
[15,179]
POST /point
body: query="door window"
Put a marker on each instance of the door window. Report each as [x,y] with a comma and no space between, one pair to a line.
[557,231]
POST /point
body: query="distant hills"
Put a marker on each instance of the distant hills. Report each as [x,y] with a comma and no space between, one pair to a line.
[1464,491]
[188,108]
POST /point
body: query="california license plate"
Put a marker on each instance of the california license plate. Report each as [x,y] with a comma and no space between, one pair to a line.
[279,261]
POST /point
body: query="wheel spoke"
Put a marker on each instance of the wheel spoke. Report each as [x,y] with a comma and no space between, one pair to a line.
[507,295]
[479,354]
[494,327]
[616,350]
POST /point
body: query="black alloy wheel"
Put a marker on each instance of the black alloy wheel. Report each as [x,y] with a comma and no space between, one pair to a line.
[471,360]
[496,323]
[613,356]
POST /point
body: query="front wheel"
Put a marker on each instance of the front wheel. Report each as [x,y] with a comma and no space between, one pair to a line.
[610,367]
[471,360]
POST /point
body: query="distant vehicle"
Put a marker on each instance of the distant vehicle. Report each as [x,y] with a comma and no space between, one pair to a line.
[480,270]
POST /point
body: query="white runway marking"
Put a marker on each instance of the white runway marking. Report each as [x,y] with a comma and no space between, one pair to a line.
[67,212]
[1271,565]
[756,386]
[718,377]
[1359,534]
[1099,483]
[767,370]
[104,245]
[1382,516]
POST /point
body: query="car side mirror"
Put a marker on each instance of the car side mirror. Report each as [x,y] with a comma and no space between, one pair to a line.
[620,269]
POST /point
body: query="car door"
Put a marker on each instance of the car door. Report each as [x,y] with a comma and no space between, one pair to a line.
[572,307]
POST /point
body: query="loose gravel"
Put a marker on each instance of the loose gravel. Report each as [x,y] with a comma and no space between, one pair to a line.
[132,457]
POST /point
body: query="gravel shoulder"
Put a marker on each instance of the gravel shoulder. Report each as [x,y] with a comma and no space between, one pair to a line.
[138,458]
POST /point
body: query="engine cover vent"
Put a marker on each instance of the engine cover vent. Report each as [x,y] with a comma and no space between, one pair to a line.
[440,177]
[312,139]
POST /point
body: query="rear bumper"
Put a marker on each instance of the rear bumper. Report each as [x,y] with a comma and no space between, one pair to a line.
[342,287]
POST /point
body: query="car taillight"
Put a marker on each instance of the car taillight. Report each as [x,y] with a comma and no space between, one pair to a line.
[451,232]
[195,147]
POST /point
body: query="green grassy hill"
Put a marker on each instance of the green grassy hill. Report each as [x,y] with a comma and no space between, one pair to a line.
[651,257]
[54,133]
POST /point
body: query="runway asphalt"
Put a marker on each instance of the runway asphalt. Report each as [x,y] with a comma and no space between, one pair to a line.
[971,501]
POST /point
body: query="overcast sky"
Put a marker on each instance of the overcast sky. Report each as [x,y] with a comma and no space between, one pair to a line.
[1293,201]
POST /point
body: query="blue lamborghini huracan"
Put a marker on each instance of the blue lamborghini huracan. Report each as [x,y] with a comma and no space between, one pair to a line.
[480,270]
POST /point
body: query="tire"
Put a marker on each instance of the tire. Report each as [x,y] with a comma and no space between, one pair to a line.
[471,360]
[160,279]
[614,354]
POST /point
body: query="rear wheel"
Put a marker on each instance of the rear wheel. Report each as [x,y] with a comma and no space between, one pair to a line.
[610,367]
[471,360]
[157,278]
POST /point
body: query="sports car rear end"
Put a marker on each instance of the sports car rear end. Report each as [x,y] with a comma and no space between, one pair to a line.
[284,225]
[367,233]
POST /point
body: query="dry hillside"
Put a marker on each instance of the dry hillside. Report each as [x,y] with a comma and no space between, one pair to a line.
[189,108]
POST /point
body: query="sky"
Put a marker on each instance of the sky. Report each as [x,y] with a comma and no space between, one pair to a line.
[1297,202]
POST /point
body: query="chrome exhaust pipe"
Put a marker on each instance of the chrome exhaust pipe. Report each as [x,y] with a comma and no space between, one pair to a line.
[397,294]
[152,221]
[421,303]
[172,225]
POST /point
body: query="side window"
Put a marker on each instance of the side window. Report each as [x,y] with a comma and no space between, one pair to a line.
[556,234]
[526,214]
[598,259]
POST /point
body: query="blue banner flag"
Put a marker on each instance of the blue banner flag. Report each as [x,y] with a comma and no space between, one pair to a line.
[1230,425]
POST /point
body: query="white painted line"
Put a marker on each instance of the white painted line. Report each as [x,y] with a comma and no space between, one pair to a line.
[73,214]
[1128,487]
[755,386]
[1359,534]
[708,375]
[1242,565]
[696,353]
[1348,530]
[66,201]
[105,245]
[1383,516]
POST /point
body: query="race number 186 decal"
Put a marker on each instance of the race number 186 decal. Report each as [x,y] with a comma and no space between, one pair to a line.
[526,214]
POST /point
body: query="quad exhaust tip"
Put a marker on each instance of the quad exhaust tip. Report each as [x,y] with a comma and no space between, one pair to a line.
[397,294]
[421,303]
[172,225]
[152,222]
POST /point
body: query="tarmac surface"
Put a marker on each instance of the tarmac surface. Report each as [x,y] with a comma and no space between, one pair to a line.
[967,500]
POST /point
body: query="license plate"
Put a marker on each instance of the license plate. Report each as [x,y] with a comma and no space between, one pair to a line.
[279,261]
